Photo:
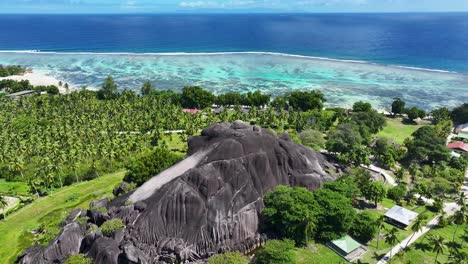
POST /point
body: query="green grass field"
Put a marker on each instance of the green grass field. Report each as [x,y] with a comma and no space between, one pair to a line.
[13,188]
[373,253]
[397,130]
[15,232]
[420,251]
[318,254]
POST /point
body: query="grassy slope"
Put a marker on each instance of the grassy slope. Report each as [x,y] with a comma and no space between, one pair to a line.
[15,231]
[396,130]
[13,188]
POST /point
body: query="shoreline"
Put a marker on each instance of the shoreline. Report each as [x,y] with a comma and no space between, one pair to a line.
[36,78]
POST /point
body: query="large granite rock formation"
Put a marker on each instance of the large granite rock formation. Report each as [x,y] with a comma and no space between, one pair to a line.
[208,203]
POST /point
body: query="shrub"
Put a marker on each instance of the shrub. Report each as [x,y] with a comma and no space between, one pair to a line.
[397,193]
[78,259]
[364,227]
[312,138]
[72,197]
[276,252]
[228,258]
[149,164]
[111,225]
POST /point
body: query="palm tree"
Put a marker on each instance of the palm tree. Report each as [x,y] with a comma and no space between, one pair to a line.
[458,257]
[417,225]
[391,239]
[3,205]
[438,245]
[461,199]
[459,218]
[380,223]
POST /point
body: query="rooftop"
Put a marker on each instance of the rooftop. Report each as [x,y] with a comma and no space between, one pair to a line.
[458,145]
[20,93]
[347,244]
[461,135]
[401,215]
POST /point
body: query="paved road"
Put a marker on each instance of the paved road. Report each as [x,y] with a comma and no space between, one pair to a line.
[387,176]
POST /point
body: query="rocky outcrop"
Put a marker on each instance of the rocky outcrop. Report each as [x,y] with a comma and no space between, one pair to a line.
[208,203]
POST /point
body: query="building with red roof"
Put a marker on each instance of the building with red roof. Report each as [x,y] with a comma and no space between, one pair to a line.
[458,146]
[191,111]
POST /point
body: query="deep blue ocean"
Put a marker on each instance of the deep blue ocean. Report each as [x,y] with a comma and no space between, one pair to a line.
[422,58]
[436,41]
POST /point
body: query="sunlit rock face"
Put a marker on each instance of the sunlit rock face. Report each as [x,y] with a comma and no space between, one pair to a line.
[212,201]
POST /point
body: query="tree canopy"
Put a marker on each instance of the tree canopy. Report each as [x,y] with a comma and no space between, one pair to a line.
[196,97]
[276,252]
[291,213]
[306,100]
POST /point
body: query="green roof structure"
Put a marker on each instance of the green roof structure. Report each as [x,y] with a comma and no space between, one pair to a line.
[346,244]
[461,135]
[348,248]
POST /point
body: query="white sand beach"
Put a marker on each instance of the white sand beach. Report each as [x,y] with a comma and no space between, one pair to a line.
[37,78]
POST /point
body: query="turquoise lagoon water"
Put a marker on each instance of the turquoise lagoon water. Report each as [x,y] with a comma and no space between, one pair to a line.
[343,82]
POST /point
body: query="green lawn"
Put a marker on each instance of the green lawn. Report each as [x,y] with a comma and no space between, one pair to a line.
[397,130]
[420,251]
[318,254]
[373,253]
[50,210]
[13,188]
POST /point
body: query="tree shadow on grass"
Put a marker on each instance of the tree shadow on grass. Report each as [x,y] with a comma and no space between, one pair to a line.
[422,246]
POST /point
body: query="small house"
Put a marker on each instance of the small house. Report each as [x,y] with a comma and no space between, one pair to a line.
[458,146]
[400,217]
[191,111]
[462,129]
[348,248]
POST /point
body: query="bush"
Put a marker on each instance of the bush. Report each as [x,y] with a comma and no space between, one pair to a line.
[276,252]
[364,227]
[228,258]
[312,138]
[111,225]
[148,164]
[78,259]
[397,193]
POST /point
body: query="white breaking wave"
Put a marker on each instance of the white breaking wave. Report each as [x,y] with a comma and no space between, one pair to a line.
[224,53]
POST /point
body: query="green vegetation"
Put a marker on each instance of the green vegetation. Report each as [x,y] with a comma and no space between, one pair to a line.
[49,212]
[79,259]
[300,215]
[112,225]
[228,258]
[6,71]
[312,138]
[422,250]
[459,114]
[149,163]
[317,254]
[397,130]
[12,86]
[276,252]
[291,212]
[13,188]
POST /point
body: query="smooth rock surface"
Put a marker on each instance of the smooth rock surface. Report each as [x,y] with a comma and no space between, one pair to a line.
[210,202]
